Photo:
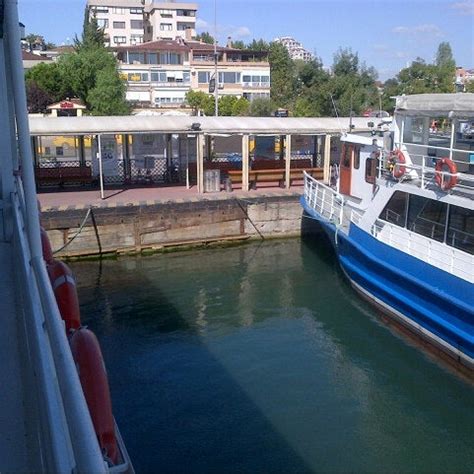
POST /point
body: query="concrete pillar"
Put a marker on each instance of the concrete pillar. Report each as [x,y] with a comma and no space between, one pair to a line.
[327,159]
[287,161]
[245,162]
[200,162]
[82,156]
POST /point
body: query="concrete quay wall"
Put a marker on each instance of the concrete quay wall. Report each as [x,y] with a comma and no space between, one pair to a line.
[149,226]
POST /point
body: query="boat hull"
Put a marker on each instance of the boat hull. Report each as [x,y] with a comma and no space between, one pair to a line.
[435,305]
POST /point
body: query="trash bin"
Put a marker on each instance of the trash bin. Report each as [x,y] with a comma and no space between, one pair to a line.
[212,181]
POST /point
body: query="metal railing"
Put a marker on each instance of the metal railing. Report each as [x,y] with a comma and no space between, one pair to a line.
[435,253]
[65,421]
[327,202]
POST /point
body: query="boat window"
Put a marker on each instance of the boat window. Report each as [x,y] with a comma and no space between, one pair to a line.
[356,157]
[346,155]
[395,211]
[413,131]
[370,170]
[461,229]
[427,217]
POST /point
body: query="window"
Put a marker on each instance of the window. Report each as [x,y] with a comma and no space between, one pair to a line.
[136,11]
[120,39]
[229,77]
[136,58]
[346,155]
[184,26]
[120,25]
[152,58]
[102,22]
[203,77]
[136,39]
[166,13]
[137,76]
[166,26]
[136,24]
[158,76]
[101,9]
[427,217]
[461,229]
[246,78]
[185,12]
[186,76]
[370,170]
[356,157]
[119,11]
[170,58]
[395,211]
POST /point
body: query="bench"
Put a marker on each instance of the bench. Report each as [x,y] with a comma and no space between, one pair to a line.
[63,175]
[260,164]
[272,175]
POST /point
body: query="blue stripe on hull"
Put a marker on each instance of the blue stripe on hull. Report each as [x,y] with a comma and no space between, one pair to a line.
[405,284]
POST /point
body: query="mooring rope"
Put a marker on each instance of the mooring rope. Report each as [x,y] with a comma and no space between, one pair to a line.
[77,233]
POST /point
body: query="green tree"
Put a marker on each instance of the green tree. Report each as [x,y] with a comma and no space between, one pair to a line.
[37,98]
[444,56]
[198,100]
[238,44]
[49,78]
[391,88]
[205,37]
[241,107]
[282,71]
[446,68]
[92,35]
[469,86]
[258,45]
[106,97]
[261,107]
[345,62]
[226,104]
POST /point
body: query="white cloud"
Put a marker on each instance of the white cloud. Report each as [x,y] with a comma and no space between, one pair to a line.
[223,31]
[389,53]
[240,32]
[464,8]
[426,29]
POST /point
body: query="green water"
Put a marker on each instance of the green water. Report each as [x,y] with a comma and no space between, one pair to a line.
[262,359]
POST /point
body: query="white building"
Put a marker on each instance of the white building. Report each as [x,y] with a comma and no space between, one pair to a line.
[295,48]
[131,22]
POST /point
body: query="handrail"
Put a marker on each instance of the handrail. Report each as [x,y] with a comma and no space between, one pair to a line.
[434,147]
[88,457]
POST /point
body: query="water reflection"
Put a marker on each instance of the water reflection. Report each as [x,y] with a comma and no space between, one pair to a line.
[260,358]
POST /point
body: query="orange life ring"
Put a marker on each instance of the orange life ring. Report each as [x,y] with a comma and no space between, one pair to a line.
[398,158]
[90,366]
[441,180]
[64,287]
[46,246]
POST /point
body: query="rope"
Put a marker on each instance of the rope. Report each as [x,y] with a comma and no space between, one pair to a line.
[77,233]
[247,216]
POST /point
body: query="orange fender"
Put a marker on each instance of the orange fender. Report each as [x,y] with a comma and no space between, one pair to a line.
[91,368]
[64,287]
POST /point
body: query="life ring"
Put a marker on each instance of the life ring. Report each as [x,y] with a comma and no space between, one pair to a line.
[64,287]
[91,369]
[397,158]
[46,247]
[446,182]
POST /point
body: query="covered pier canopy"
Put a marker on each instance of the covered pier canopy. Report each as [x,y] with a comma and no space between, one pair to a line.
[92,125]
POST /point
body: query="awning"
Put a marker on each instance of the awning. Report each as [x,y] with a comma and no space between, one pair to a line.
[436,105]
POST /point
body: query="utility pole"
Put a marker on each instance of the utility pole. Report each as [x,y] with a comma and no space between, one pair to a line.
[216,76]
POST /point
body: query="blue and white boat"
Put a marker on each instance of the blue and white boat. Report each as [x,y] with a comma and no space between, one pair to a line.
[401,220]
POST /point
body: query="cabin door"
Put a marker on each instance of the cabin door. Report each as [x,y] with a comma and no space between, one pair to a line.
[346,169]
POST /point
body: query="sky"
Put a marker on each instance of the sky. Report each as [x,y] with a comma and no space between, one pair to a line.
[386,34]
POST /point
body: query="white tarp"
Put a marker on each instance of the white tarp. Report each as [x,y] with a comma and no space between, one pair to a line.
[436,105]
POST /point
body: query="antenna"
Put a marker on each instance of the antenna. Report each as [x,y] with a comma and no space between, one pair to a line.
[337,115]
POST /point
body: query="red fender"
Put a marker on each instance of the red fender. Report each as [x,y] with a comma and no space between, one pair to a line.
[398,157]
[64,287]
[46,245]
[91,368]
[446,182]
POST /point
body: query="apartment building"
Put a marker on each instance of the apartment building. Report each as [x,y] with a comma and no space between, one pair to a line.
[159,73]
[295,48]
[132,22]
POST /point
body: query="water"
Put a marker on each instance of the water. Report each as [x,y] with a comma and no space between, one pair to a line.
[262,359]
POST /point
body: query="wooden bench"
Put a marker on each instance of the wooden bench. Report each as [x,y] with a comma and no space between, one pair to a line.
[63,175]
[272,175]
[260,164]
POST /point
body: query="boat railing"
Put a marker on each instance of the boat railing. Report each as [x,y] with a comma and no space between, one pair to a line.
[326,201]
[68,440]
[438,254]
[422,167]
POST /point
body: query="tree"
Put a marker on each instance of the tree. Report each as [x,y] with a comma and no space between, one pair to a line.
[205,37]
[258,45]
[345,62]
[261,107]
[106,97]
[198,100]
[34,39]
[238,44]
[446,67]
[241,107]
[92,35]
[469,86]
[37,98]
[226,104]
[49,78]
[444,56]
[282,70]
